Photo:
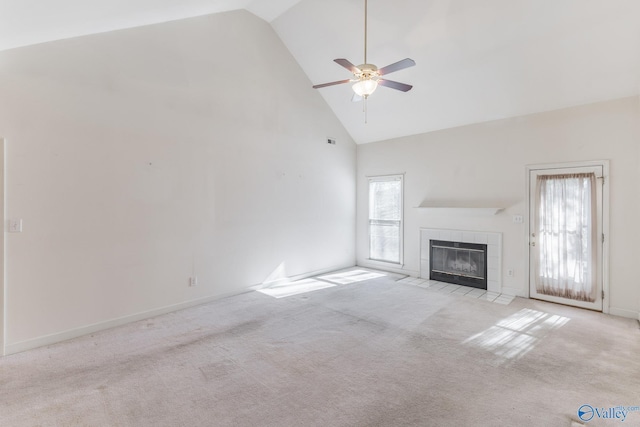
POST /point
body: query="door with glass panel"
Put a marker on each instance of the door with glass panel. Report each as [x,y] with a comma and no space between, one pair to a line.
[385,218]
[566,235]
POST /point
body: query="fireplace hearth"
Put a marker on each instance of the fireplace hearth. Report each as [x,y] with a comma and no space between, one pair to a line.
[458,263]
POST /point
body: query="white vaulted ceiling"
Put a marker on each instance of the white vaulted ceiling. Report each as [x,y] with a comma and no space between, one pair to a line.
[25,22]
[477,60]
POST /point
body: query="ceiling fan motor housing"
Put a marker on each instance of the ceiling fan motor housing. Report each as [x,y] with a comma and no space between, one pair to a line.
[367,71]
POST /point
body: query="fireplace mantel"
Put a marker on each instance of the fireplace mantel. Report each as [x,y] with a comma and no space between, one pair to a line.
[458,208]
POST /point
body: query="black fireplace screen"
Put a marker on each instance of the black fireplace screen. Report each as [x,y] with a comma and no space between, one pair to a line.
[459,263]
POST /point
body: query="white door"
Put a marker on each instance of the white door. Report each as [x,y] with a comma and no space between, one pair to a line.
[566,235]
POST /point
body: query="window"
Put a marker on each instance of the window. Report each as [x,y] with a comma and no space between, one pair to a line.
[385,218]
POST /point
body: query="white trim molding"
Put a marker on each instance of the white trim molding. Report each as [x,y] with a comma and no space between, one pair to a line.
[629,314]
[100,326]
[3,279]
[387,178]
[387,266]
[606,301]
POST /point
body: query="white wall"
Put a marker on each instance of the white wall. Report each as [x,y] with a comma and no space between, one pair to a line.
[141,157]
[486,162]
[638,179]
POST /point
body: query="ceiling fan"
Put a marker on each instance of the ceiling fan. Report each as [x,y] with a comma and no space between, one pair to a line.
[366,76]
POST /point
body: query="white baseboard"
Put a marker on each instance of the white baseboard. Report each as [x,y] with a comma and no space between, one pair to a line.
[516,292]
[384,266]
[323,271]
[631,314]
[100,326]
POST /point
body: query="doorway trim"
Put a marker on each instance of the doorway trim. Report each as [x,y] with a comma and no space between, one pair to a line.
[3,289]
[605,220]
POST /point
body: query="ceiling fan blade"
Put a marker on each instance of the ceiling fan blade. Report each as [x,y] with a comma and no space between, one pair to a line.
[395,85]
[348,65]
[339,82]
[397,66]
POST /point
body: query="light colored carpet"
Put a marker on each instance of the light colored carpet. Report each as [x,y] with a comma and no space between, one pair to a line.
[369,353]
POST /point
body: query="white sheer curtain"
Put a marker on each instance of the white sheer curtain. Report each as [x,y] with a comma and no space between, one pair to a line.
[566,236]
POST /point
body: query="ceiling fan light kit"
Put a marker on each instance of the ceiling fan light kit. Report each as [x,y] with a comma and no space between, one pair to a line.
[365,88]
[367,77]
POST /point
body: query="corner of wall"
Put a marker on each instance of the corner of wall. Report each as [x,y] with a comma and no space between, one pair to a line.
[3,296]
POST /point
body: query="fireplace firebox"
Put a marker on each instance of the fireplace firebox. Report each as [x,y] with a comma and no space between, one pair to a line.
[459,263]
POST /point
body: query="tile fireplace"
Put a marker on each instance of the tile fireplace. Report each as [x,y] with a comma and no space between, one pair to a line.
[469,258]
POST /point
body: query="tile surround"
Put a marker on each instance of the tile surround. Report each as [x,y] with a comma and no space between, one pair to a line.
[494,251]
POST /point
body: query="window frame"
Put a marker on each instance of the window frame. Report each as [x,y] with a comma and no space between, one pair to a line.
[386,178]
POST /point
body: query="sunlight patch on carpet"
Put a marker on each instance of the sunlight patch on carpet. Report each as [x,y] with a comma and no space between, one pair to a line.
[516,335]
[351,276]
[295,288]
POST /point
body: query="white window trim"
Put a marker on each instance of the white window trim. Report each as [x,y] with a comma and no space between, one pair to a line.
[378,178]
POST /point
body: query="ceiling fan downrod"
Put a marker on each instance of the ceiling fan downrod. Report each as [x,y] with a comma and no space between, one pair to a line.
[365,30]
